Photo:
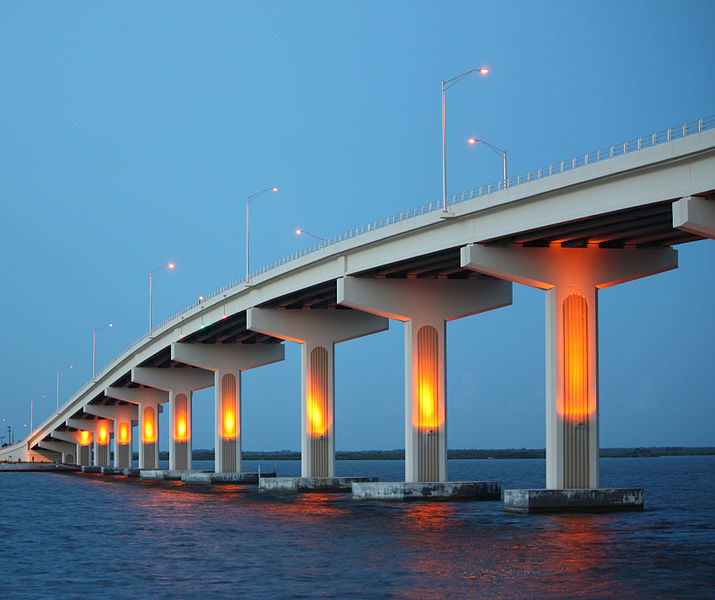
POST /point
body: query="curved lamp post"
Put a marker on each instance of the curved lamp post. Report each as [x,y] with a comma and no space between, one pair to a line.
[250,197]
[445,86]
[306,232]
[169,266]
[494,149]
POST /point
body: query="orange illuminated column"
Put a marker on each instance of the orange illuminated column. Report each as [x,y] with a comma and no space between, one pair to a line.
[228,415]
[180,412]
[149,432]
[571,278]
[426,427]
[84,445]
[101,443]
[318,409]
[123,442]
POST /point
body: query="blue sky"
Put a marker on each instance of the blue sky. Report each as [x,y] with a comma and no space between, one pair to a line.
[130,133]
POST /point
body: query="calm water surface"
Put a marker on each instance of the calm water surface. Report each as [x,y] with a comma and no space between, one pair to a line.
[86,536]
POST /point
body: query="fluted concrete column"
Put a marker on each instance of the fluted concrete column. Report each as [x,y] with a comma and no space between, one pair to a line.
[571,278]
[101,430]
[148,403]
[122,416]
[227,361]
[317,331]
[425,305]
[180,383]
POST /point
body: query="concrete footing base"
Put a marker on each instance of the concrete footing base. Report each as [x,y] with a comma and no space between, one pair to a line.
[432,490]
[193,478]
[91,469]
[112,471]
[551,501]
[131,472]
[311,484]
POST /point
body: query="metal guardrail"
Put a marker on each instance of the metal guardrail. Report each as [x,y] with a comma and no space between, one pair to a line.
[634,145]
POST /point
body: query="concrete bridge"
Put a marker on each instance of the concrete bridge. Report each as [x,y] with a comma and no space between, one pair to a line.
[570,228]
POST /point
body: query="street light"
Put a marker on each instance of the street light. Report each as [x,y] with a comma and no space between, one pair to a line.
[94,346]
[304,231]
[32,400]
[169,266]
[58,383]
[445,86]
[493,148]
[250,197]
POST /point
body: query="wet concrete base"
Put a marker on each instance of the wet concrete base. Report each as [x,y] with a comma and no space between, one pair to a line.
[112,470]
[91,469]
[553,501]
[196,478]
[432,490]
[311,484]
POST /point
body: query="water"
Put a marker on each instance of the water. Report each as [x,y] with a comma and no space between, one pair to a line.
[80,536]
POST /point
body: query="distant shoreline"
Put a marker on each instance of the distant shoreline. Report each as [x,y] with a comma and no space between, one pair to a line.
[508,453]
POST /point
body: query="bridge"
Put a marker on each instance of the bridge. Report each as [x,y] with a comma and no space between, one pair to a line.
[570,228]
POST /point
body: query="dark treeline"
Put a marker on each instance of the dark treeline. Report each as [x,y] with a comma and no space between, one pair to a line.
[399,454]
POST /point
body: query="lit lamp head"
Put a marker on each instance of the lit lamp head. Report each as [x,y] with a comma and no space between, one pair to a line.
[484,70]
[170,266]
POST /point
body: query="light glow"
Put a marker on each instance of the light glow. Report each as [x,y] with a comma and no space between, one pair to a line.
[229,426]
[298,231]
[427,417]
[148,426]
[103,435]
[576,406]
[123,433]
[229,423]
[274,189]
[318,422]
[484,70]
[472,140]
[170,266]
[84,437]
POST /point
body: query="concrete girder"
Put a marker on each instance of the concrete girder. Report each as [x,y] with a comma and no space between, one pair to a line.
[227,361]
[317,331]
[696,215]
[425,305]
[571,278]
[64,449]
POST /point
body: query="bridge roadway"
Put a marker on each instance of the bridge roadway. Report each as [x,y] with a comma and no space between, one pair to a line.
[570,229]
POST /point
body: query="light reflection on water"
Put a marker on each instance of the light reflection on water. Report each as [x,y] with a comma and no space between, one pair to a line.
[134,539]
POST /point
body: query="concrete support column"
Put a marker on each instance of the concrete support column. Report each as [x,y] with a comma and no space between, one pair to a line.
[424,305]
[317,331]
[148,403]
[101,430]
[74,439]
[179,383]
[571,278]
[122,416]
[227,361]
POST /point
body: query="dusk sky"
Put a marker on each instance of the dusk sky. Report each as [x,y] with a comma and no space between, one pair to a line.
[131,132]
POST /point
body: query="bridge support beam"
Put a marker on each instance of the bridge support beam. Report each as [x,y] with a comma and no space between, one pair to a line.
[66,450]
[317,331]
[571,278]
[122,417]
[148,403]
[180,383]
[74,439]
[695,215]
[425,305]
[227,361]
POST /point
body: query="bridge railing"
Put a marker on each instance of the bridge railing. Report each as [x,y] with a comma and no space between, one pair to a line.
[607,153]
